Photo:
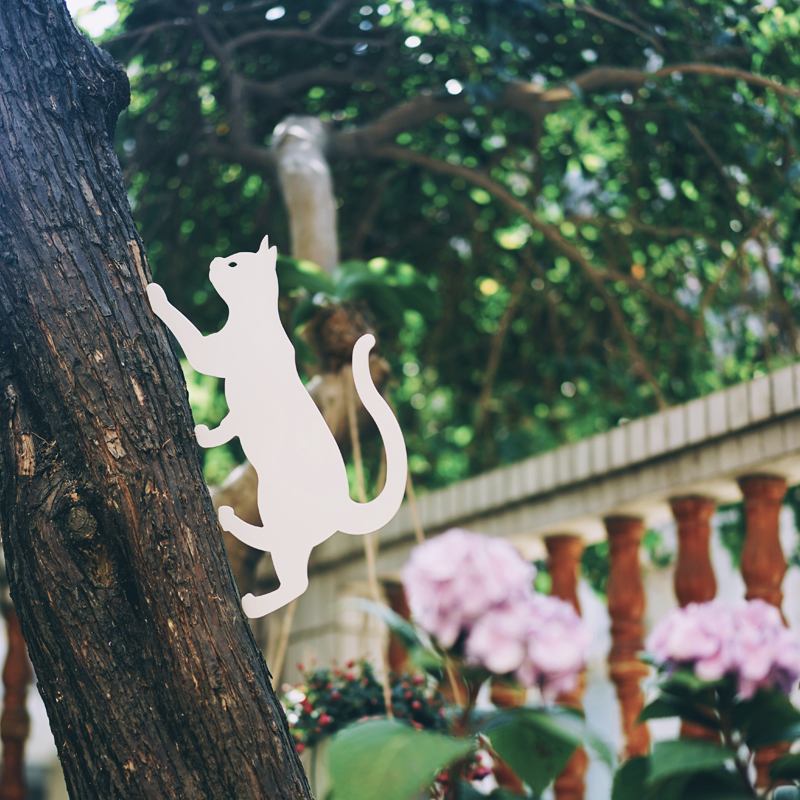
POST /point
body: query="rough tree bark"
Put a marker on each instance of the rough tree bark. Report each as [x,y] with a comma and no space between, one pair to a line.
[152,680]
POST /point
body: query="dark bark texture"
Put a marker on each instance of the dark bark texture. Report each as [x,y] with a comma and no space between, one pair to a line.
[152,680]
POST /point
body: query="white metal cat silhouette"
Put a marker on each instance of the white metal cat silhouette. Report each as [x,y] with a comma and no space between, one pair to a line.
[303,495]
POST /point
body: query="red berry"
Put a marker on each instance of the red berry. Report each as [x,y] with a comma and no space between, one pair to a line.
[408,695]
[307,707]
[324,719]
[300,667]
[300,747]
[350,664]
[416,705]
[335,694]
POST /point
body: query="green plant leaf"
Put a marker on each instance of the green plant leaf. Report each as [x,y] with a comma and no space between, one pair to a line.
[685,756]
[389,760]
[408,633]
[786,768]
[561,722]
[296,273]
[535,743]
[719,784]
[684,681]
[767,717]
[629,780]
[668,705]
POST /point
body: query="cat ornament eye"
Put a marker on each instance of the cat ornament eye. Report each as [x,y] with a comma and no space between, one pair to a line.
[303,493]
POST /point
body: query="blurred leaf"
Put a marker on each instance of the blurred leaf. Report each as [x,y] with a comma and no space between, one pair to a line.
[685,756]
[537,743]
[767,717]
[531,748]
[668,705]
[406,631]
[389,760]
[629,780]
[786,768]
[300,274]
[683,682]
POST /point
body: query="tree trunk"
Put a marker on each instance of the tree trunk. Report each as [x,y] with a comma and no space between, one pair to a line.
[151,678]
[298,147]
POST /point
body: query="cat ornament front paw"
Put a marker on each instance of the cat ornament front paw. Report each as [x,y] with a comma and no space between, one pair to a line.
[203,435]
[157,297]
[227,517]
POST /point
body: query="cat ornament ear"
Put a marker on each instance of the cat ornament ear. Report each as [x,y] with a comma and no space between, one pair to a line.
[303,491]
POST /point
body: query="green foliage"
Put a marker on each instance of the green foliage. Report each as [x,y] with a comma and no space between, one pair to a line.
[594,566]
[390,760]
[629,245]
[537,743]
[690,768]
[732,530]
[530,748]
[679,757]
[767,718]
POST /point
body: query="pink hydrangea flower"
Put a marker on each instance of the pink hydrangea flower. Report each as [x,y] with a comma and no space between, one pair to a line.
[557,645]
[749,641]
[541,639]
[498,640]
[454,579]
[767,653]
[701,634]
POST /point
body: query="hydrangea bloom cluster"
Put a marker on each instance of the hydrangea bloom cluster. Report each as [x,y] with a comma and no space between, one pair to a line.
[467,583]
[749,642]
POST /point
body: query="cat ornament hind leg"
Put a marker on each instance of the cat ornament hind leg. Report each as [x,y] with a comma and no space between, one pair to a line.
[303,493]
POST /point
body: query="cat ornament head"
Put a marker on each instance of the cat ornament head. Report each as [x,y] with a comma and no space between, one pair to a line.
[244,275]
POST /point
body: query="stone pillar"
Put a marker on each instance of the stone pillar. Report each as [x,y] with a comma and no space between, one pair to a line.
[694,575]
[763,568]
[564,553]
[626,601]
[14,720]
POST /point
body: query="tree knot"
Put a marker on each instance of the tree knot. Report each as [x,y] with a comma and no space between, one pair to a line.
[81,525]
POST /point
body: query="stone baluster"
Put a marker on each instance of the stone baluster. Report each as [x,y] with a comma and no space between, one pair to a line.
[626,602]
[564,553]
[763,562]
[14,720]
[763,566]
[694,575]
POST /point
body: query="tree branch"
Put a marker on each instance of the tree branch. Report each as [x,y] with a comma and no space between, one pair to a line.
[552,234]
[581,9]
[498,339]
[281,87]
[248,154]
[529,98]
[323,21]
[761,224]
[147,30]
[295,33]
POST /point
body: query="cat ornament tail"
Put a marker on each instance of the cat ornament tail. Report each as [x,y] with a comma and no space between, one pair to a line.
[303,492]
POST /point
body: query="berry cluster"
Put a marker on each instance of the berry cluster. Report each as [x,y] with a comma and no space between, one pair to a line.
[329,699]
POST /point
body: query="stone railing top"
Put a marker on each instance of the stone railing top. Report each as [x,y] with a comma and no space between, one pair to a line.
[624,448]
